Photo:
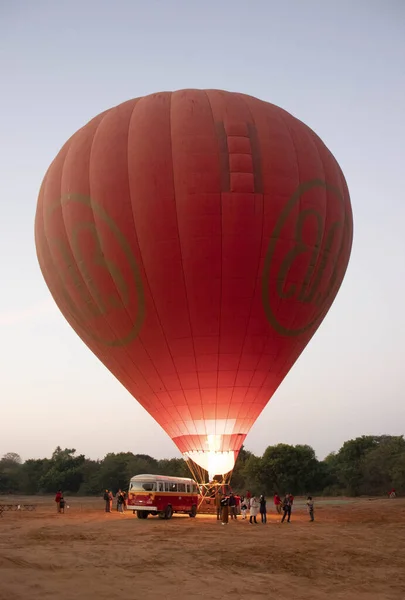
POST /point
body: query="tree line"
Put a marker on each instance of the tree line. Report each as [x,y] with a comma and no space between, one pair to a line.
[367,465]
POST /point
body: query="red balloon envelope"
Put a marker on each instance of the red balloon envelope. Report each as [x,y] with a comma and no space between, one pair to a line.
[195,240]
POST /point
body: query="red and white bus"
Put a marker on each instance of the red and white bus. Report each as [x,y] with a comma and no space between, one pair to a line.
[159,495]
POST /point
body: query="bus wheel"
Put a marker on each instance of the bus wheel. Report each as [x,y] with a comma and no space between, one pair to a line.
[193,511]
[168,512]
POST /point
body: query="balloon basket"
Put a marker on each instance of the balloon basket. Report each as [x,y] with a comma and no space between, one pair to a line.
[209,489]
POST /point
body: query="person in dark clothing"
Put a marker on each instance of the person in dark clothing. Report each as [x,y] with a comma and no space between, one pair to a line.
[62,505]
[217,500]
[286,508]
[263,508]
[107,501]
[225,510]
[232,506]
[120,502]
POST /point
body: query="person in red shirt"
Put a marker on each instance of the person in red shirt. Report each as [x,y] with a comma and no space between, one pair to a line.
[58,498]
[277,503]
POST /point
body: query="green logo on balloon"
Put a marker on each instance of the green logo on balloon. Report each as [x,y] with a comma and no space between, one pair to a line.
[93,303]
[320,254]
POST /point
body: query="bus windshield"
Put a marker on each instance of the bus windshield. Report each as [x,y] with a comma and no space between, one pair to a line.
[142,486]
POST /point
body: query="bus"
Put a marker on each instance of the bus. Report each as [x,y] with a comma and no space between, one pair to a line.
[160,495]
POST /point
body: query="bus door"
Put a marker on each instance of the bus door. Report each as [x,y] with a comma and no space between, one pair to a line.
[160,498]
[183,498]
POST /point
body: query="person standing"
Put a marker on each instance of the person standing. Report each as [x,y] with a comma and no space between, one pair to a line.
[286,508]
[232,506]
[277,503]
[291,501]
[263,508]
[218,498]
[58,499]
[225,510]
[254,509]
[310,504]
[107,501]
[121,502]
[243,507]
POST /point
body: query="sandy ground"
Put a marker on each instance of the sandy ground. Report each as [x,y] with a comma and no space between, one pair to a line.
[355,549]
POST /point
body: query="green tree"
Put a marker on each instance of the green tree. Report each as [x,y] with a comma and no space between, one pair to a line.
[177,467]
[32,473]
[286,468]
[349,463]
[64,471]
[10,468]
[117,469]
[240,472]
[383,466]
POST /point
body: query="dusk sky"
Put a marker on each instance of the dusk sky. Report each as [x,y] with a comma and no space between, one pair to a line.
[336,65]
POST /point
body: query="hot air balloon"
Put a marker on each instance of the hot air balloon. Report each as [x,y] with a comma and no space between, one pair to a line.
[195,240]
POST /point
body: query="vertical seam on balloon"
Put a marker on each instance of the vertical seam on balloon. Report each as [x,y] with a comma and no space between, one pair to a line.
[220,292]
[182,266]
[99,240]
[317,141]
[78,324]
[300,125]
[144,270]
[327,192]
[224,157]
[256,156]
[245,103]
[72,317]
[104,115]
[280,119]
[49,248]
[124,348]
[289,131]
[347,220]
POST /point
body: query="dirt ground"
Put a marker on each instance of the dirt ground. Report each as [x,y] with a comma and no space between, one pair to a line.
[355,549]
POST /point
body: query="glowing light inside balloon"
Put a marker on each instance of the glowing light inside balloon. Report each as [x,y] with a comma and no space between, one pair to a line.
[213,460]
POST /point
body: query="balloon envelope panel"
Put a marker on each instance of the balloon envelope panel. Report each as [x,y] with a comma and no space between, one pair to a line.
[195,240]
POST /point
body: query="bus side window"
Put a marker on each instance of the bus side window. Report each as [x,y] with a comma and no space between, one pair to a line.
[161,487]
[181,487]
[167,486]
[173,487]
[188,488]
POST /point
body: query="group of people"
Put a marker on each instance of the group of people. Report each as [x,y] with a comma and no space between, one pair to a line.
[121,501]
[230,506]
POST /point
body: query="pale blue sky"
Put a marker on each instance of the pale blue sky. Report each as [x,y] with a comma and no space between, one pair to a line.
[336,65]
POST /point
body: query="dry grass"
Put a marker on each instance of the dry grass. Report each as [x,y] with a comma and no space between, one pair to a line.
[353,550]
